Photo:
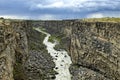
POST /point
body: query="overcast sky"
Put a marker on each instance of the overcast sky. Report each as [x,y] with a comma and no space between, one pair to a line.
[59,9]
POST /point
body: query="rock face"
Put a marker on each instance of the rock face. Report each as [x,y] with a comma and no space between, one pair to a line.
[13,48]
[39,66]
[94,48]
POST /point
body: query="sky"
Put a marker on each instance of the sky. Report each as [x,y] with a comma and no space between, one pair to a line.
[59,9]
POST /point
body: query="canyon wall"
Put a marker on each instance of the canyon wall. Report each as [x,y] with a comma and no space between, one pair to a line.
[13,49]
[94,48]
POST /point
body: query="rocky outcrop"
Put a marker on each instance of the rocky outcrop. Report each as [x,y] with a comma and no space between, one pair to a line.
[96,46]
[39,66]
[13,48]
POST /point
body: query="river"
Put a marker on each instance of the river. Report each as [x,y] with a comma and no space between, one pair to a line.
[61,58]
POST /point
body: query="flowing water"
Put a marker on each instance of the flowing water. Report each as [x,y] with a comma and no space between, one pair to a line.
[61,58]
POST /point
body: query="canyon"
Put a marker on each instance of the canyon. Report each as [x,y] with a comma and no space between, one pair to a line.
[93,46]
[60,58]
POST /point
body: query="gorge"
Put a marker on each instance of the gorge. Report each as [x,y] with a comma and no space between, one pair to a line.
[61,59]
[92,44]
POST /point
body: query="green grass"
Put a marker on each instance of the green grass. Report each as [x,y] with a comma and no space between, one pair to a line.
[105,19]
[51,39]
[55,37]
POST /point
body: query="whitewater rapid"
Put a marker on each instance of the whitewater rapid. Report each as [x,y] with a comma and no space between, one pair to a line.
[61,58]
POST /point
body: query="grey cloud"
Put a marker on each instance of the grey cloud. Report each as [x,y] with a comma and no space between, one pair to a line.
[28,8]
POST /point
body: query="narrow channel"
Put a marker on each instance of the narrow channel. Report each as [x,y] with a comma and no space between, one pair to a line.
[61,58]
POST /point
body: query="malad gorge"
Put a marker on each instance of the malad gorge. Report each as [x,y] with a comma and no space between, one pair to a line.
[78,49]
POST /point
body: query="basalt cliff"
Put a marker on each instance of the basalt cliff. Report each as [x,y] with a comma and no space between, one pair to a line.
[94,48]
